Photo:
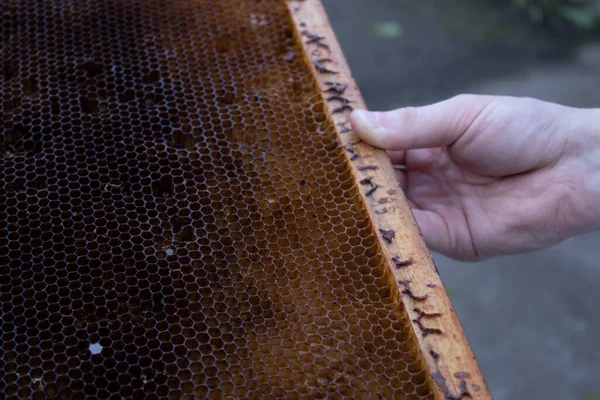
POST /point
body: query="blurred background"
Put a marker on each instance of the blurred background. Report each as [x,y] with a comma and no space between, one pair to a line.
[533,320]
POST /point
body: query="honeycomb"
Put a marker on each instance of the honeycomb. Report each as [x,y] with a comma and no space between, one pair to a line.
[177,217]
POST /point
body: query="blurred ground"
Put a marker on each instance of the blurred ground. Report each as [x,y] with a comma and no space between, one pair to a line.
[532,320]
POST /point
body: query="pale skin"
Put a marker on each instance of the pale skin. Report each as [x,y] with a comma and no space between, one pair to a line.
[489,175]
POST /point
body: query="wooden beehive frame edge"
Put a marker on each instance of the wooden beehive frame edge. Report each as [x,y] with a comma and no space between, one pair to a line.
[449,358]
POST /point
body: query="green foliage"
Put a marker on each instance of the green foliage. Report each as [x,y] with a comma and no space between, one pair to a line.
[591,396]
[388,29]
[581,14]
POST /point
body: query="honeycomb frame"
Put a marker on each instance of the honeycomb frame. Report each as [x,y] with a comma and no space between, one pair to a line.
[185,213]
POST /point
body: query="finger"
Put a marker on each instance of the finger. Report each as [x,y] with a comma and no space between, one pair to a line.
[423,159]
[434,230]
[436,125]
[419,159]
[397,157]
[401,177]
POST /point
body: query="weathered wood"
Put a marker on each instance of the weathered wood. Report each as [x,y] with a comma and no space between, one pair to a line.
[417,285]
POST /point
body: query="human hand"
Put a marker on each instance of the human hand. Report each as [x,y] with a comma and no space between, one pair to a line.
[489,175]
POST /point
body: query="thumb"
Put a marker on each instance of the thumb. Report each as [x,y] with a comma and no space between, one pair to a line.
[436,125]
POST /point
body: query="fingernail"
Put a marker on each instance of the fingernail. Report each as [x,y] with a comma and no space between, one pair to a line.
[367,125]
[364,121]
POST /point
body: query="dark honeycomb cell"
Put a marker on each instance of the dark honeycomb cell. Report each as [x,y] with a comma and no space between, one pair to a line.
[177,218]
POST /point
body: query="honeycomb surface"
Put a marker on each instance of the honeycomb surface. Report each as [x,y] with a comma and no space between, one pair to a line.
[177,218]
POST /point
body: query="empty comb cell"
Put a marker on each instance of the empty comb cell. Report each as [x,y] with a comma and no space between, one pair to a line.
[180,219]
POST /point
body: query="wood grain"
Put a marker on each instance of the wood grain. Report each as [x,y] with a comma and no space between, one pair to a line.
[414,277]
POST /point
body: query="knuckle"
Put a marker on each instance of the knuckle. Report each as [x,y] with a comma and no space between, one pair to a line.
[466,98]
[407,116]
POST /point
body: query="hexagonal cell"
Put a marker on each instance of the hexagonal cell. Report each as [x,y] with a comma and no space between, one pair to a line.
[180,218]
